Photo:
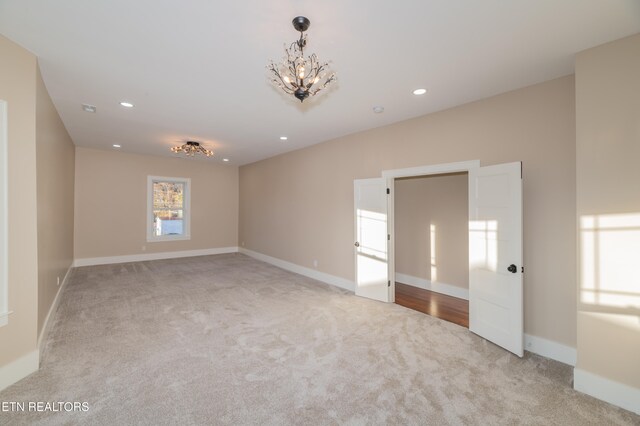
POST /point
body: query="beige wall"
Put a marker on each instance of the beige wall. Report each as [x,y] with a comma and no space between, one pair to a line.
[55,158]
[299,206]
[434,207]
[608,191]
[18,89]
[111,197]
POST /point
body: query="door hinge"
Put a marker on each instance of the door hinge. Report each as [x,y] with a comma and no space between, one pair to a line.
[523,269]
[388,283]
[388,191]
[388,237]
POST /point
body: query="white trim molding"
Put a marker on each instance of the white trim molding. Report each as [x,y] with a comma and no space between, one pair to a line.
[550,349]
[307,272]
[19,369]
[90,261]
[461,166]
[615,393]
[437,287]
[54,306]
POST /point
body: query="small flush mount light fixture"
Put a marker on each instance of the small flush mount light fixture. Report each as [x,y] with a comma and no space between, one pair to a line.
[89,108]
[378,109]
[419,92]
[192,148]
[226,160]
[126,104]
[115,145]
[299,76]
[283,138]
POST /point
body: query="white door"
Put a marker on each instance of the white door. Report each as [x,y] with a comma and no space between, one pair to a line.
[495,255]
[372,276]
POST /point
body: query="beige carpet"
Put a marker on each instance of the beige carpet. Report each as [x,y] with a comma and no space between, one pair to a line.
[230,340]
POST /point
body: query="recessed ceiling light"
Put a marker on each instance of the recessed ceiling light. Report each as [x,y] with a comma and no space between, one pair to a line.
[420,91]
[378,109]
[126,104]
[115,145]
[89,108]
[225,159]
[283,138]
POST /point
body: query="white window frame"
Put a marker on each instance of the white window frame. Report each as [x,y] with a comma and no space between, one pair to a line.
[4,214]
[186,211]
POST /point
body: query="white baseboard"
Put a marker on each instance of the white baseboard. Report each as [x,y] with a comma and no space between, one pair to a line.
[90,261]
[52,309]
[550,349]
[307,272]
[19,369]
[615,393]
[438,287]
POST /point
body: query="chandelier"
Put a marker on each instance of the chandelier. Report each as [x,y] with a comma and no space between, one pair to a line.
[192,148]
[299,76]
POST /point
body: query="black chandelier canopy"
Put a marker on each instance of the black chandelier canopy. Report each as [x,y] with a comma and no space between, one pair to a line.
[299,76]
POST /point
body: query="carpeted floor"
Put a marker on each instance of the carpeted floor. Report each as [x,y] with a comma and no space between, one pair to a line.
[229,340]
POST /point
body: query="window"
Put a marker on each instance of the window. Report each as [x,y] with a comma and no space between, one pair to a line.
[4,247]
[168,208]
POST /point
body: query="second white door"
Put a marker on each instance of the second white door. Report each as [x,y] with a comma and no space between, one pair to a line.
[495,255]
[371,239]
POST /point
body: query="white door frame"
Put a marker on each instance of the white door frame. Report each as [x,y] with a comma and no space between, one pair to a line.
[390,176]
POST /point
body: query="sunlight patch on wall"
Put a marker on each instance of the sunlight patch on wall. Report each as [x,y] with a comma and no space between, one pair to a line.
[432,243]
[610,260]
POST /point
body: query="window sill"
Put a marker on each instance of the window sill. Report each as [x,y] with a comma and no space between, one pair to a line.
[165,238]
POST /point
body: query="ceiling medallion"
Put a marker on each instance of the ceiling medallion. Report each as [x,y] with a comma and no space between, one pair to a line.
[192,148]
[299,76]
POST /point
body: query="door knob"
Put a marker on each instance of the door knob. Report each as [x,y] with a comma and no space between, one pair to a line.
[512,268]
[357,244]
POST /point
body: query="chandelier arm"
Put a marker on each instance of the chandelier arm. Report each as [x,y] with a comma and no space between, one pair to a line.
[316,68]
[286,89]
[281,82]
[317,71]
[283,87]
[330,80]
[291,53]
[292,71]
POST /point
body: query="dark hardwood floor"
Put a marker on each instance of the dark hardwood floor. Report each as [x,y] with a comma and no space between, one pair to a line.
[438,305]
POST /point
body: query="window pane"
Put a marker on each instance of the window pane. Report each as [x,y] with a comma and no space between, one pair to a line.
[169,207]
[168,222]
[168,195]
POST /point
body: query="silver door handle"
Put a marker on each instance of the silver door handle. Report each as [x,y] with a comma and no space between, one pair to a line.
[357,244]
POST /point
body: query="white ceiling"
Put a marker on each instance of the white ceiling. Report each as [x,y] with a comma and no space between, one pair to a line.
[195,69]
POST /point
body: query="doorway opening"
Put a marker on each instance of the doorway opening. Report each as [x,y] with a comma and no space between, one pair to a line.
[494,244]
[432,245]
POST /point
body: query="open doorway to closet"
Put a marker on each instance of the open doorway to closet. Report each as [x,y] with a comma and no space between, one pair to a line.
[432,245]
